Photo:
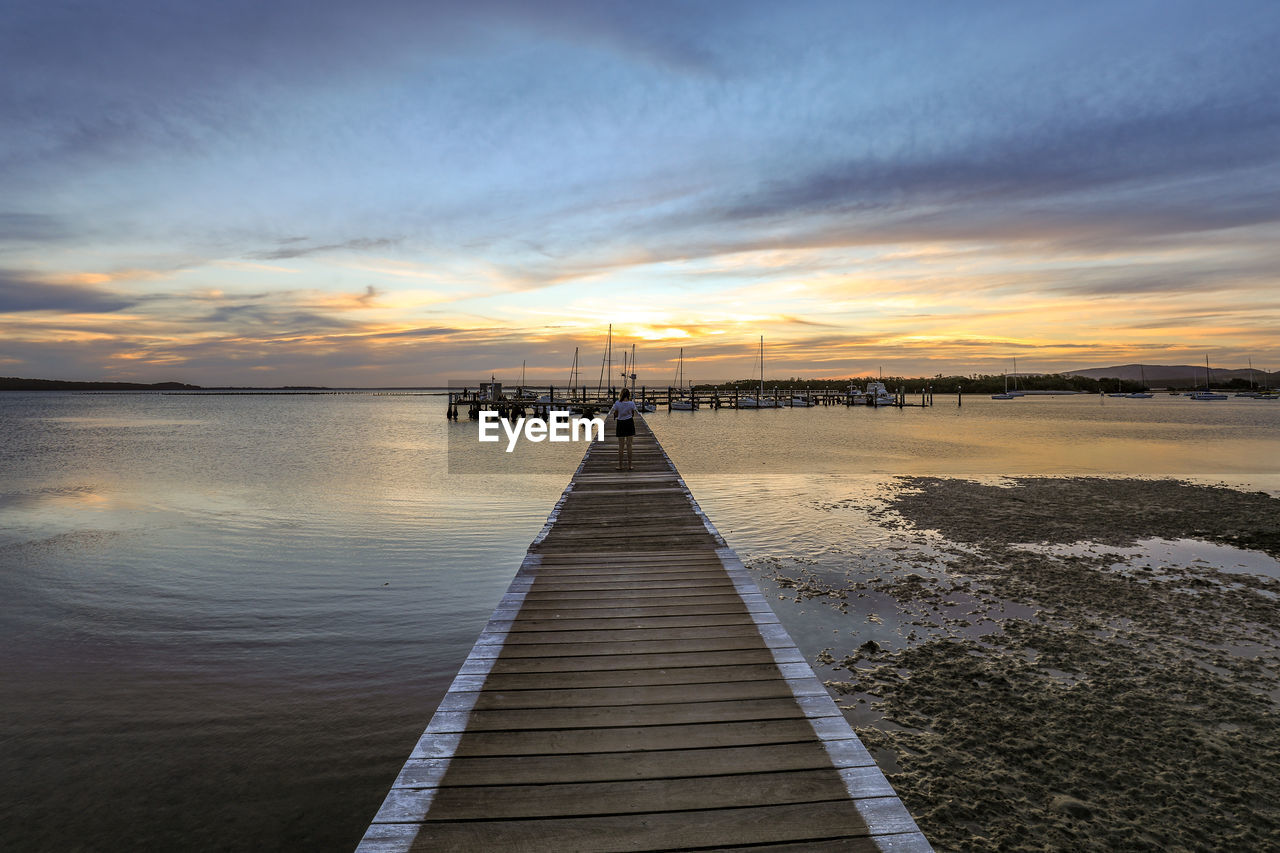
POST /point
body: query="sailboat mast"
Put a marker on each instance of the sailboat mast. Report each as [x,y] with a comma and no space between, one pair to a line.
[761,398]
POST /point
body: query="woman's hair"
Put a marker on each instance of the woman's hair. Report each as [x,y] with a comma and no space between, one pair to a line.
[626,394]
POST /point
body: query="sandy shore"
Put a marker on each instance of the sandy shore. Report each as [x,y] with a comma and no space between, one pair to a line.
[1086,693]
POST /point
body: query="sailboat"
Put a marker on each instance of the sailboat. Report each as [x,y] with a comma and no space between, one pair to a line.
[1141,395]
[545,399]
[758,402]
[1267,393]
[642,405]
[680,404]
[1015,392]
[606,362]
[1253,391]
[1006,395]
[523,394]
[1207,393]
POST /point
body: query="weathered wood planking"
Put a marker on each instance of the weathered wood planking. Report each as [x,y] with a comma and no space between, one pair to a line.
[633,690]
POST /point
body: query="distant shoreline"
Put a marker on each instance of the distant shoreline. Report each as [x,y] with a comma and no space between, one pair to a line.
[1125,379]
[17,384]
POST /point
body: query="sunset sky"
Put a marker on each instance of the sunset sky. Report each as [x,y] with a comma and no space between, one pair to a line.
[400,192]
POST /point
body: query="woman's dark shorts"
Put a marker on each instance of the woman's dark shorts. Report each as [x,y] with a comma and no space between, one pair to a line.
[627,427]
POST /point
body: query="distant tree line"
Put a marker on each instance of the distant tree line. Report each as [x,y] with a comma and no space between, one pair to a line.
[973,384]
[12,383]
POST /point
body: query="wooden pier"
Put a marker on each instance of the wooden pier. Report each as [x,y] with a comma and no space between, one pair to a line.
[539,400]
[635,691]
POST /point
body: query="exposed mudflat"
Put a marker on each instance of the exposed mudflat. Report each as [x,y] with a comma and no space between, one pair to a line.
[1070,676]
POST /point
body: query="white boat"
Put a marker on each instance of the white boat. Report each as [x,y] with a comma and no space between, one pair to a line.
[880,395]
[798,402]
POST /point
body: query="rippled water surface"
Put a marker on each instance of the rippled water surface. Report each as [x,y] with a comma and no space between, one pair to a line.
[227,619]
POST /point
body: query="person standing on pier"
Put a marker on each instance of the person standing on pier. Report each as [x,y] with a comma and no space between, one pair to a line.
[625,411]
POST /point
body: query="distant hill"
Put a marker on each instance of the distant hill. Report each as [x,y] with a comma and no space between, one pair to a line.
[1178,374]
[12,383]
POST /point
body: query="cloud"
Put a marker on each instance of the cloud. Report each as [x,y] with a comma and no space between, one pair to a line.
[31,227]
[359,244]
[22,291]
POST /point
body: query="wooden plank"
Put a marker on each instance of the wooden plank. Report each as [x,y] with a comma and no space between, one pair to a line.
[654,831]
[698,580]
[626,613]
[623,635]
[631,738]
[624,696]
[914,842]
[596,567]
[655,557]
[730,640]
[610,767]
[496,802]
[607,661]
[653,580]
[537,600]
[632,622]
[532,719]
[688,675]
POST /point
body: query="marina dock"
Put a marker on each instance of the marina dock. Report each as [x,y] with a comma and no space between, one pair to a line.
[635,691]
[538,400]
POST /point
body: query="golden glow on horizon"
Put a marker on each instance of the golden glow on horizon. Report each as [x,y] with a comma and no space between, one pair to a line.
[915,310]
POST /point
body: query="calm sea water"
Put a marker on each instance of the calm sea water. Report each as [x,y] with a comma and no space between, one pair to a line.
[227,619]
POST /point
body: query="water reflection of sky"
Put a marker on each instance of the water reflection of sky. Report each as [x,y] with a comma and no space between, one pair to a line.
[1045,436]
